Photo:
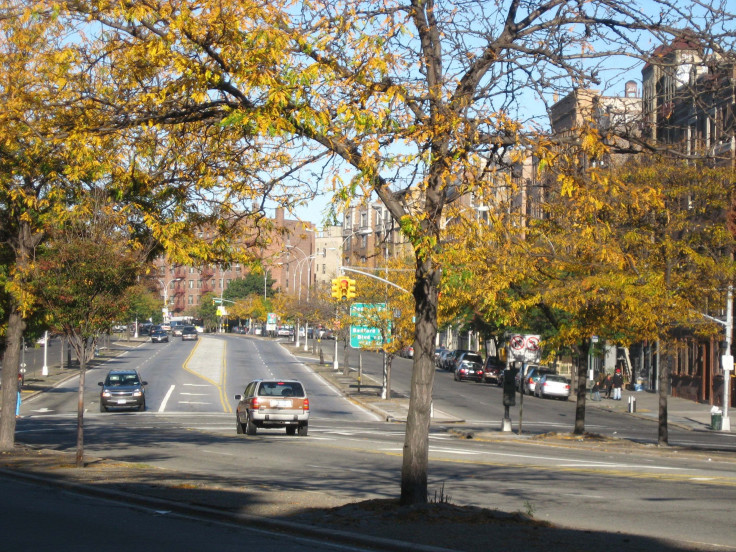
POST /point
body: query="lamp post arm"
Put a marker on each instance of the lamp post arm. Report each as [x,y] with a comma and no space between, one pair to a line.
[384,280]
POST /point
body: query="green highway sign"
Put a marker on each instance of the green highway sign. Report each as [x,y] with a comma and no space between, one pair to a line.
[363,335]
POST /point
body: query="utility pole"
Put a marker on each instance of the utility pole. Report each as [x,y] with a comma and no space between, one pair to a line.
[727,360]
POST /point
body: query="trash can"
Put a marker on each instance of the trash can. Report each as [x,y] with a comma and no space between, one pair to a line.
[716,421]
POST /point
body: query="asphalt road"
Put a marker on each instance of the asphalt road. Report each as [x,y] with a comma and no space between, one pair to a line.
[38,517]
[349,455]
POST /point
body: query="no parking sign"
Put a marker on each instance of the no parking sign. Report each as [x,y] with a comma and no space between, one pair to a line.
[525,348]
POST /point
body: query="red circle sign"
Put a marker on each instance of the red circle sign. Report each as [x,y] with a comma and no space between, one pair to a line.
[532,343]
[517,342]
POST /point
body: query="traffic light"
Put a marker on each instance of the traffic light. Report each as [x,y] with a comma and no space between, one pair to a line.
[351,289]
[336,288]
[344,288]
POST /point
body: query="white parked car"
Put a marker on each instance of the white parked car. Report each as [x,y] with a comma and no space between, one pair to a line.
[552,385]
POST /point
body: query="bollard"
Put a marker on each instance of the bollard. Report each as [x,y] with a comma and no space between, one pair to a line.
[632,403]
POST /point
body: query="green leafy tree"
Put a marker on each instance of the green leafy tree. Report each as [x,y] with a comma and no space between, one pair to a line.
[252,284]
[80,278]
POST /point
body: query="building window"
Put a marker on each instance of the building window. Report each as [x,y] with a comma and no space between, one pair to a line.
[212,283]
[191,270]
[191,284]
[220,283]
[191,300]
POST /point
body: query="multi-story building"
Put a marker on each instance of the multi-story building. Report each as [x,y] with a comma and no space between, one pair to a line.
[615,117]
[290,247]
[689,102]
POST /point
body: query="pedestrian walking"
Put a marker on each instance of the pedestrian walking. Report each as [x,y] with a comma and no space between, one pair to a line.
[20,387]
[608,383]
[595,393]
[618,383]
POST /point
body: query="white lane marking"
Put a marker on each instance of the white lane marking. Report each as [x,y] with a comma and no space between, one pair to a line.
[166,399]
[193,402]
[195,394]
[197,385]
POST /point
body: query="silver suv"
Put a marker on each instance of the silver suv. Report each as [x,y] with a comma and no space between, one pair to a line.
[273,404]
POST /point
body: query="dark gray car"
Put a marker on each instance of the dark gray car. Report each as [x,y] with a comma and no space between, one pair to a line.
[122,389]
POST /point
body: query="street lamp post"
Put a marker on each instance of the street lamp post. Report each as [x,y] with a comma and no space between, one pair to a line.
[165,287]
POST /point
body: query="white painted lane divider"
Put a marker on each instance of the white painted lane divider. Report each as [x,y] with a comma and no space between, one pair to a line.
[162,408]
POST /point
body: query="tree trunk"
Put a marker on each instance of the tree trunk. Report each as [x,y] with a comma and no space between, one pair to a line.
[581,389]
[11,364]
[416,441]
[26,241]
[389,361]
[663,375]
[346,354]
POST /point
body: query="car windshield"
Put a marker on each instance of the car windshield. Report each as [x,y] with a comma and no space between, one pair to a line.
[188,329]
[281,389]
[472,357]
[122,379]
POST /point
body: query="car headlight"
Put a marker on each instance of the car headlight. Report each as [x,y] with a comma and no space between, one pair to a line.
[106,394]
[137,393]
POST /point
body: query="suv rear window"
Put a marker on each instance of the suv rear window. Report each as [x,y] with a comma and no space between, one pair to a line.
[473,357]
[280,389]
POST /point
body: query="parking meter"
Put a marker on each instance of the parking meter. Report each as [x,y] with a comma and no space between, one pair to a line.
[509,386]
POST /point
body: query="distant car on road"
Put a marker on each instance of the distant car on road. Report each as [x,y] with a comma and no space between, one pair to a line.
[552,385]
[159,336]
[122,389]
[273,403]
[189,333]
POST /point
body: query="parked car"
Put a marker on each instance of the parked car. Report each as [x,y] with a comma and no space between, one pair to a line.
[469,369]
[159,336]
[189,333]
[122,389]
[552,385]
[272,403]
[440,361]
[285,331]
[240,330]
[493,369]
[532,375]
[449,359]
[470,356]
[407,352]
